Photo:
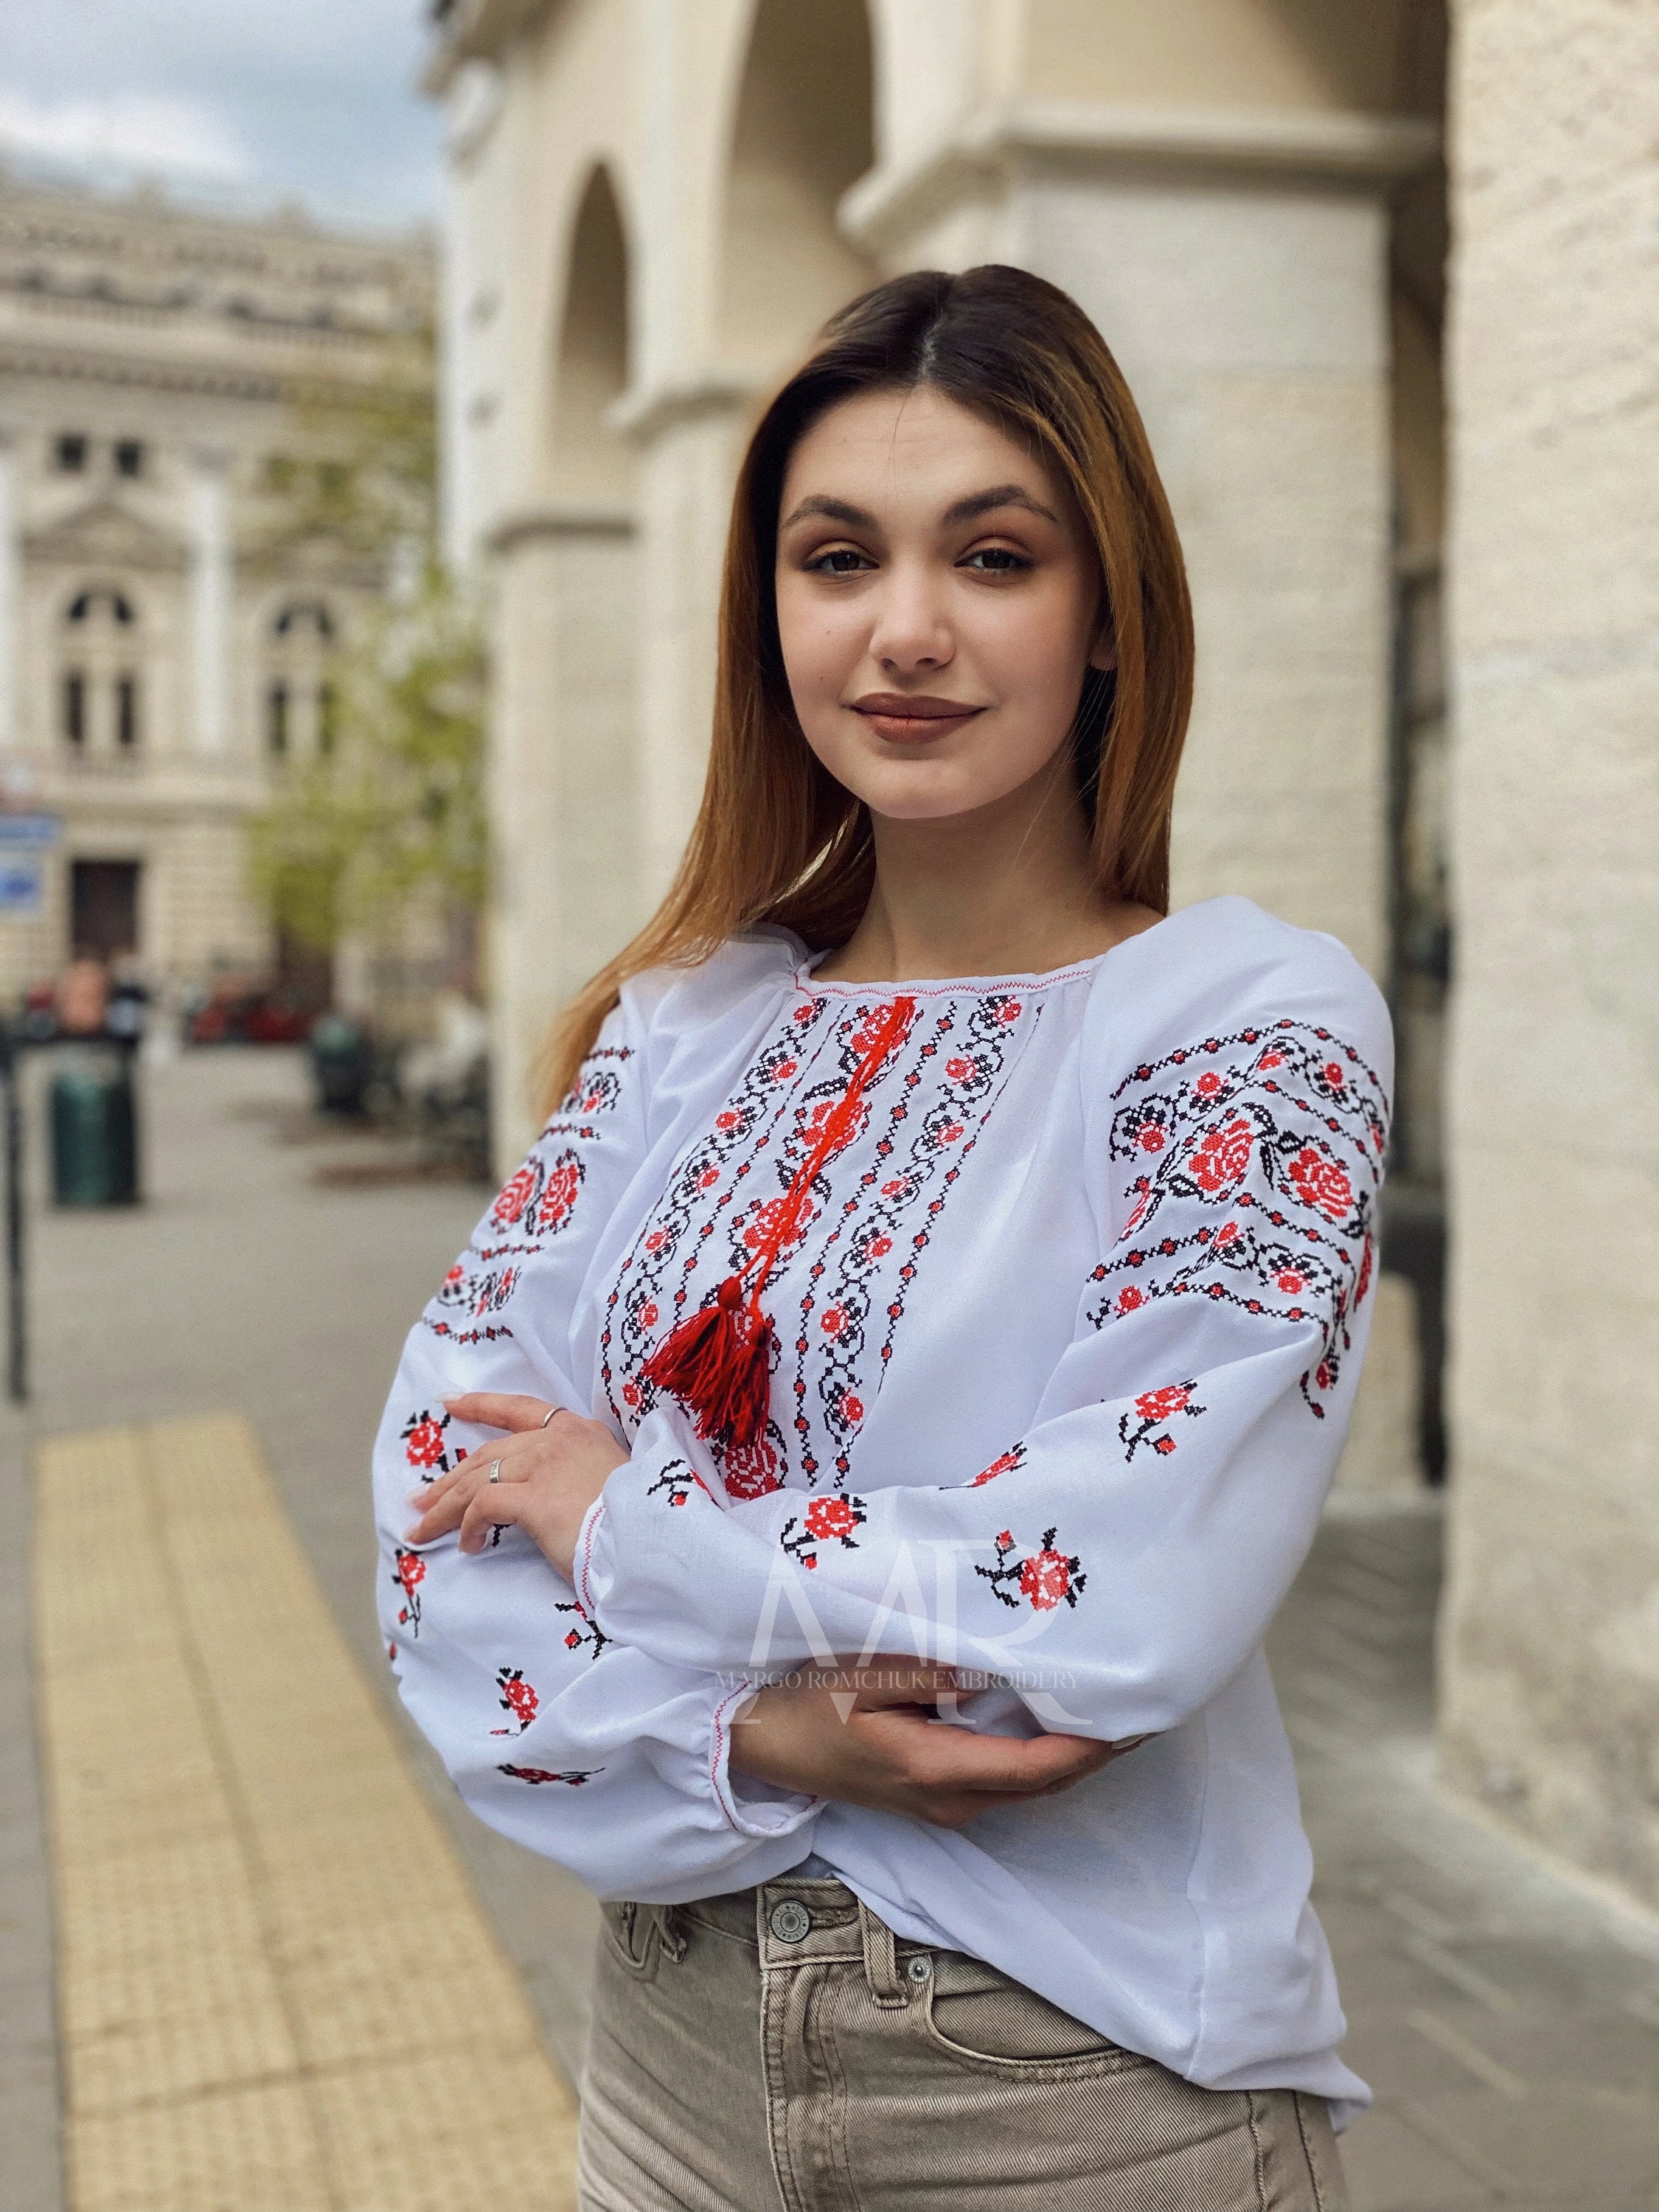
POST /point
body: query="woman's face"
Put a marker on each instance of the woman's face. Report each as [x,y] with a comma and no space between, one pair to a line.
[938,604]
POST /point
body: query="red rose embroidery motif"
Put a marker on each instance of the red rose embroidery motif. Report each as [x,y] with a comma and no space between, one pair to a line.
[852,1407]
[514,1197]
[563,1181]
[1207,1085]
[1044,1578]
[1129,1298]
[1321,1183]
[1153,1410]
[423,1444]
[830,1519]
[959,1070]
[409,1572]
[1222,1157]
[518,1700]
[750,1470]
[1003,1463]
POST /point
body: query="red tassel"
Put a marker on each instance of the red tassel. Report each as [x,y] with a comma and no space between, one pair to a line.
[718,1363]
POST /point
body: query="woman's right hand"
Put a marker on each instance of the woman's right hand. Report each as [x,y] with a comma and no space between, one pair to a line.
[866,1734]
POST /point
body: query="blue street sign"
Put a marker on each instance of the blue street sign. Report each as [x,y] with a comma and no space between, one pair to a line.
[20,885]
[33,829]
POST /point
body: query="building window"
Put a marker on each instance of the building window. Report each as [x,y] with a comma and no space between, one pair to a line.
[129,457]
[277,719]
[328,720]
[70,451]
[75,708]
[126,712]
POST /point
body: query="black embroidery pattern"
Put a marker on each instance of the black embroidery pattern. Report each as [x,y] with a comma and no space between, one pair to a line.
[653,1284]
[1153,1410]
[537,1202]
[1283,1131]
[1043,1578]
[831,1519]
[585,1634]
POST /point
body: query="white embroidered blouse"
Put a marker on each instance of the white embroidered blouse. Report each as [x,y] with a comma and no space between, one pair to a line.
[1067,1345]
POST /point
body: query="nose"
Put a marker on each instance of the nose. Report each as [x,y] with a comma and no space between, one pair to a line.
[911,631]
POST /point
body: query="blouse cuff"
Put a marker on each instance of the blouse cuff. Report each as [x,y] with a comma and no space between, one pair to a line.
[753,1808]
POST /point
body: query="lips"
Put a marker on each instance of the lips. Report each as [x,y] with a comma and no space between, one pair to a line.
[919,719]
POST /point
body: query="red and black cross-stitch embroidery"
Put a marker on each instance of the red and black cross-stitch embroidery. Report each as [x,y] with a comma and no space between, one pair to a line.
[864,1253]
[1282,1130]
[678,1479]
[1043,1578]
[585,1634]
[828,1520]
[575,1776]
[1153,1410]
[1003,1463]
[409,1572]
[517,1699]
[536,1202]
[465,1296]
[598,1086]
[653,1287]
[425,1446]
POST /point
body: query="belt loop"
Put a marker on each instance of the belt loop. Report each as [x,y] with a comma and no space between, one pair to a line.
[880,1962]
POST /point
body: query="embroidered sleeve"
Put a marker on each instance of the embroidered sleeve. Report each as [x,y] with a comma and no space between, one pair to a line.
[556,1732]
[1117,1562]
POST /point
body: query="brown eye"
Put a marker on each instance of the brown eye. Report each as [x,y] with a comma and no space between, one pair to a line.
[995,561]
[841,561]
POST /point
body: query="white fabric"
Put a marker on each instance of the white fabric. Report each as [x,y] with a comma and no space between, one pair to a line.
[1066,1349]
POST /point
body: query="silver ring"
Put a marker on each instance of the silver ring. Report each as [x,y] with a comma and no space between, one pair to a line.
[548,1415]
[496,1470]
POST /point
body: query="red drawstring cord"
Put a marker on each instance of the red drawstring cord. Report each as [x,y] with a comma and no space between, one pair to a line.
[718,1362]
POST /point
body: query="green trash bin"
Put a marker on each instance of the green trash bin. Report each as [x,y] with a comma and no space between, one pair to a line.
[95,1131]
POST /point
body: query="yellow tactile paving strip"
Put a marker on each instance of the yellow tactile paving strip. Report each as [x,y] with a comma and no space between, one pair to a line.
[276,1991]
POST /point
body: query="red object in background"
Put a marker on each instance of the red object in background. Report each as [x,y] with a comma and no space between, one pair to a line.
[241,1011]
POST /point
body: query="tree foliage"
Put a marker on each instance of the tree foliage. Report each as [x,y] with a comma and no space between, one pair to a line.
[393,806]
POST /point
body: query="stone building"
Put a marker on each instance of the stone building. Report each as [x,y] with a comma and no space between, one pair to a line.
[165,641]
[653,205]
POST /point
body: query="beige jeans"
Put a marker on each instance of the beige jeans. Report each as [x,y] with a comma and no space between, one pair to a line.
[779,2051]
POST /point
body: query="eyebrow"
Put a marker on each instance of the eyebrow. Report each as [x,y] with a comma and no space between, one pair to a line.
[963,510]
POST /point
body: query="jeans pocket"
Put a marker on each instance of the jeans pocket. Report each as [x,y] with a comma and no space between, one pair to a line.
[633,1937]
[984,2019]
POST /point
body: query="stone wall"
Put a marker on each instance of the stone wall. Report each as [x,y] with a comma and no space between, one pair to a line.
[1550,1639]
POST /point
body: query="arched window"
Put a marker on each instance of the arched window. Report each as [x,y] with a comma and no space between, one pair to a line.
[803,133]
[590,461]
[301,704]
[100,685]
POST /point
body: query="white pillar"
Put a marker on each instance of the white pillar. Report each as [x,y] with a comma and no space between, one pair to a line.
[210,576]
[565,879]
[11,734]
[1549,1648]
[691,439]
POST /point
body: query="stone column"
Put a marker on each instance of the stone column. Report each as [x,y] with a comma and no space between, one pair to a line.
[691,439]
[211,583]
[1237,267]
[565,781]
[11,582]
[1549,1643]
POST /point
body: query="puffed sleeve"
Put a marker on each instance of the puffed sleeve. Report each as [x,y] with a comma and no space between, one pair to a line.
[1116,1564]
[565,1737]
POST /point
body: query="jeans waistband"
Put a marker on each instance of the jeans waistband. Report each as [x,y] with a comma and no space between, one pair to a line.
[804,1922]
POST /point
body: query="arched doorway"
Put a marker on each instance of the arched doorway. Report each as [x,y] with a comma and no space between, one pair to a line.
[590,460]
[802,133]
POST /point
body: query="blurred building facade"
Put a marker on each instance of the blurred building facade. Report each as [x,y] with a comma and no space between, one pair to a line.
[165,638]
[653,206]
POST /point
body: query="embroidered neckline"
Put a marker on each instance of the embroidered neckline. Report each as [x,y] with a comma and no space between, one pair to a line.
[804,978]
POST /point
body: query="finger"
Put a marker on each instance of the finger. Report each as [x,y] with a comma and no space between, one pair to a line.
[950,1759]
[440,1515]
[494,1507]
[500,1409]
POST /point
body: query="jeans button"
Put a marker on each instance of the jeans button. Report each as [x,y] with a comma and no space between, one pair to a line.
[790,1921]
[919,1968]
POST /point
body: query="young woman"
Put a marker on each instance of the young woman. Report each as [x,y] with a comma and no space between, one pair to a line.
[863,1447]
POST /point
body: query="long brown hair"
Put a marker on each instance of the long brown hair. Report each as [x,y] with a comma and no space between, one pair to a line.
[777,839]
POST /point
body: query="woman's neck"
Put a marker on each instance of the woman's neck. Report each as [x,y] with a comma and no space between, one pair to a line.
[1006,891]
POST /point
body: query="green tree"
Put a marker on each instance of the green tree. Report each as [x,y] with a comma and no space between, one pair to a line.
[392,806]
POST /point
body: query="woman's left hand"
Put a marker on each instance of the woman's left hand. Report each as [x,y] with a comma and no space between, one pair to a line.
[548,1476]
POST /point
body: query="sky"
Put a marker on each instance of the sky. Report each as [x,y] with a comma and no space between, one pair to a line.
[249,102]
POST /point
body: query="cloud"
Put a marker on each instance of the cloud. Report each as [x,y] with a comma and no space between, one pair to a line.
[153,132]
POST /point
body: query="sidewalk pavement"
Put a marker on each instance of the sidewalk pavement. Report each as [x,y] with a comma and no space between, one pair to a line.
[1509,2023]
